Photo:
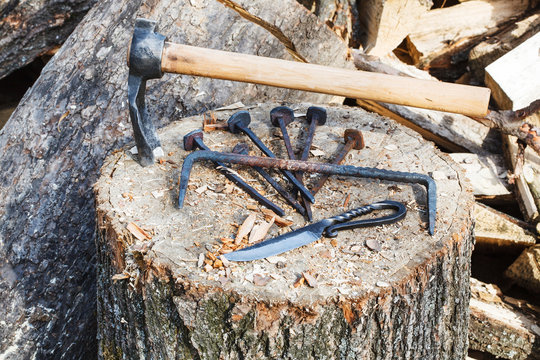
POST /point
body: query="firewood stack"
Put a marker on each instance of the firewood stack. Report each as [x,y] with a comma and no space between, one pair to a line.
[492,43]
[488,43]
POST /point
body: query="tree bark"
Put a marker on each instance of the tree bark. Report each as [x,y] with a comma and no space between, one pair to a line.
[67,123]
[408,299]
[29,29]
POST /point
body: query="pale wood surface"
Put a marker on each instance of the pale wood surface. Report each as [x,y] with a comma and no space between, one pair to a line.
[440,28]
[500,329]
[463,99]
[514,81]
[488,174]
[387,22]
[495,233]
[496,46]
[514,77]
[415,289]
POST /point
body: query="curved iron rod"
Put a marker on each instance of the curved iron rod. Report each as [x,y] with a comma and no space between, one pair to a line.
[305,166]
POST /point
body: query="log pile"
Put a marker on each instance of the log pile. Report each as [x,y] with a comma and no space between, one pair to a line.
[75,115]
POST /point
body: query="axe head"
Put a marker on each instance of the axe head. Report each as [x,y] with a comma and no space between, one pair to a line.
[144,61]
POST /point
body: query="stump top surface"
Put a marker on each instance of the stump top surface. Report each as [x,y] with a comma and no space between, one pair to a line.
[127,192]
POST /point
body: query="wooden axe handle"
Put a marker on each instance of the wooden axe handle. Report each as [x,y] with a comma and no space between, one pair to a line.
[428,94]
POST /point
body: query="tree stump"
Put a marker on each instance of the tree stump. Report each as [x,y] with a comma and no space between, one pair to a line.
[382,292]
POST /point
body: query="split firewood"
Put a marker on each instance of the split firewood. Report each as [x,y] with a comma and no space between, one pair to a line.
[500,43]
[441,33]
[498,232]
[525,271]
[498,328]
[513,79]
[387,23]
[488,175]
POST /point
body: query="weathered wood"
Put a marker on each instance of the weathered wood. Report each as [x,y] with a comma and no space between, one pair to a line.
[488,174]
[500,329]
[341,16]
[495,232]
[519,66]
[452,131]
[387,22]
[496,46]
[54,143]
[29,29]
[407,299]
[445,29]
[525,271]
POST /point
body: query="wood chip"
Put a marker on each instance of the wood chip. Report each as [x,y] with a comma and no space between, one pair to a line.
[275,259]
[279,221]
[317,152]
[200,262]
[251,207]
[373,245]
[218,263]
[225,262]
[259,231]
[391,147]
[120,276]
[299,282]
[236,105]
[136,231]
[382,284]
[261,280]
[229,188]
[245,228]
[333,242]
[311,281]
[347,199]
[201,189]
[208,268]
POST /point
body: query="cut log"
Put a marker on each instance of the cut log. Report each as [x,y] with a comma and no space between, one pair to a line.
[500,329]
[513,80]
[496,46]
[488,175]
[446,30]
[29,29]
[453,132]
[499,233]
[56,140]
[344,298]
[387,22]
[525,271]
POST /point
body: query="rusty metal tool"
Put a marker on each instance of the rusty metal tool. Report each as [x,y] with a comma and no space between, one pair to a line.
[316,116]
[239,122]
[150,55]
[297,165]
[194,140]
[243,149]
[313,232]
[353,140]
[282,116]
